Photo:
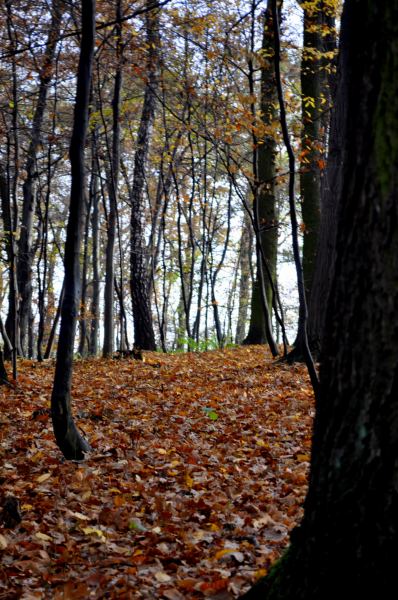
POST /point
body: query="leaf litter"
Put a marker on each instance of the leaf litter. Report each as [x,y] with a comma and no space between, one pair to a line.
[197,475]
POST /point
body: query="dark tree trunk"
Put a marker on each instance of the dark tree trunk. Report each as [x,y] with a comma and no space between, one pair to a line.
[69,440]
[326,251]
[109,300]
[310,181]
[264,198]
[347,544]
[3,372]
[25,245]
[144,336]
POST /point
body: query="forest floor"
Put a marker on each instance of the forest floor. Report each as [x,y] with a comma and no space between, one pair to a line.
[197,475]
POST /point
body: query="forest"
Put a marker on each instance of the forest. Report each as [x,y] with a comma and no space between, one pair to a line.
[198,299]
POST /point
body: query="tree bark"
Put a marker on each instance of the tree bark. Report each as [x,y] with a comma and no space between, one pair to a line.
[109,334]
[348,541]
[310,181]
[326,251]
[68,438]
[144,336]
[264,199]
[246,245]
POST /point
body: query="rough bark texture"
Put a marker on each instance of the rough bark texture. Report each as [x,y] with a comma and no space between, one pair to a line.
[68,438]
[144,336]
[347,544]
[310,181]
[326,252]
[266,171]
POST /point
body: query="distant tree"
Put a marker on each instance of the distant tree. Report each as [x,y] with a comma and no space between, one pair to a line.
[26,248]
[69,440]
[347,543]
[109,334]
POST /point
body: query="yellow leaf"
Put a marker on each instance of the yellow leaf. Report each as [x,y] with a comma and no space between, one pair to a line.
[162,451]
[26,506]
[262,444]
[260,573]
[43,536]
[188,480]
[223,552]
[95,531]
[303,457]
[43,477]
[3,542]
[36,457]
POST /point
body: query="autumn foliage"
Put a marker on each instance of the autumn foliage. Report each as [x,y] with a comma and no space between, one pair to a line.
[197,475]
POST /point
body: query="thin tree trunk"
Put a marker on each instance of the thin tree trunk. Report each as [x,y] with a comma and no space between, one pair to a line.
[51,337]
[109,301]
[302,346]
[246,245]
[68,438]
[95,298]
[83,298]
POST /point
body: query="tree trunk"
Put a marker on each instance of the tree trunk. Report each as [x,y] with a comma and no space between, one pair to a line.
[109,334]
[68,438]
[326,251]
[265,200]
[310,181]
[25,246]
[95,298]
[246,245]
[347,544]
[83,338]
[144,336]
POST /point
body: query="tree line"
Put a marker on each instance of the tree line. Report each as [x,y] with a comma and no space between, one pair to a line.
[185,189]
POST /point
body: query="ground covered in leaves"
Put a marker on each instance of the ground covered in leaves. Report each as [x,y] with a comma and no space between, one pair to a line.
[198,473]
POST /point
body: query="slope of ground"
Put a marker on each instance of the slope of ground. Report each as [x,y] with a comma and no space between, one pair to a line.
[197,475]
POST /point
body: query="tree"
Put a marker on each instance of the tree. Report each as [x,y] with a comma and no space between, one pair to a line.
[144,336]
[69,440]
[347,543]
[264,205]
[325,253]
[108,346]
[311,88]
[26,248]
